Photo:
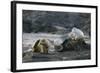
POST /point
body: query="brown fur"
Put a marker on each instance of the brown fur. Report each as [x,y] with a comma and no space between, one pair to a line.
[40,46]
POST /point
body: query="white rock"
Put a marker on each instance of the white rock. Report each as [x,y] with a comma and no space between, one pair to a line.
[76,33]
[51,48]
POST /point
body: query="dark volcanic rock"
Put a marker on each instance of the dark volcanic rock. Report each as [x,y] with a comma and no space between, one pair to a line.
[79,44]
[60,56]
[45,21]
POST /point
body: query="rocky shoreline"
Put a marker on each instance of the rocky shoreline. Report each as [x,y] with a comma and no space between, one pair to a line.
[60,56]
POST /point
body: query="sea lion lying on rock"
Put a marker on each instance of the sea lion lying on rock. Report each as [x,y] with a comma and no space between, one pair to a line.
[46,46]
[40,46]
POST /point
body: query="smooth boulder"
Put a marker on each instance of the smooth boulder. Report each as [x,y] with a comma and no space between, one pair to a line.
[76,34]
